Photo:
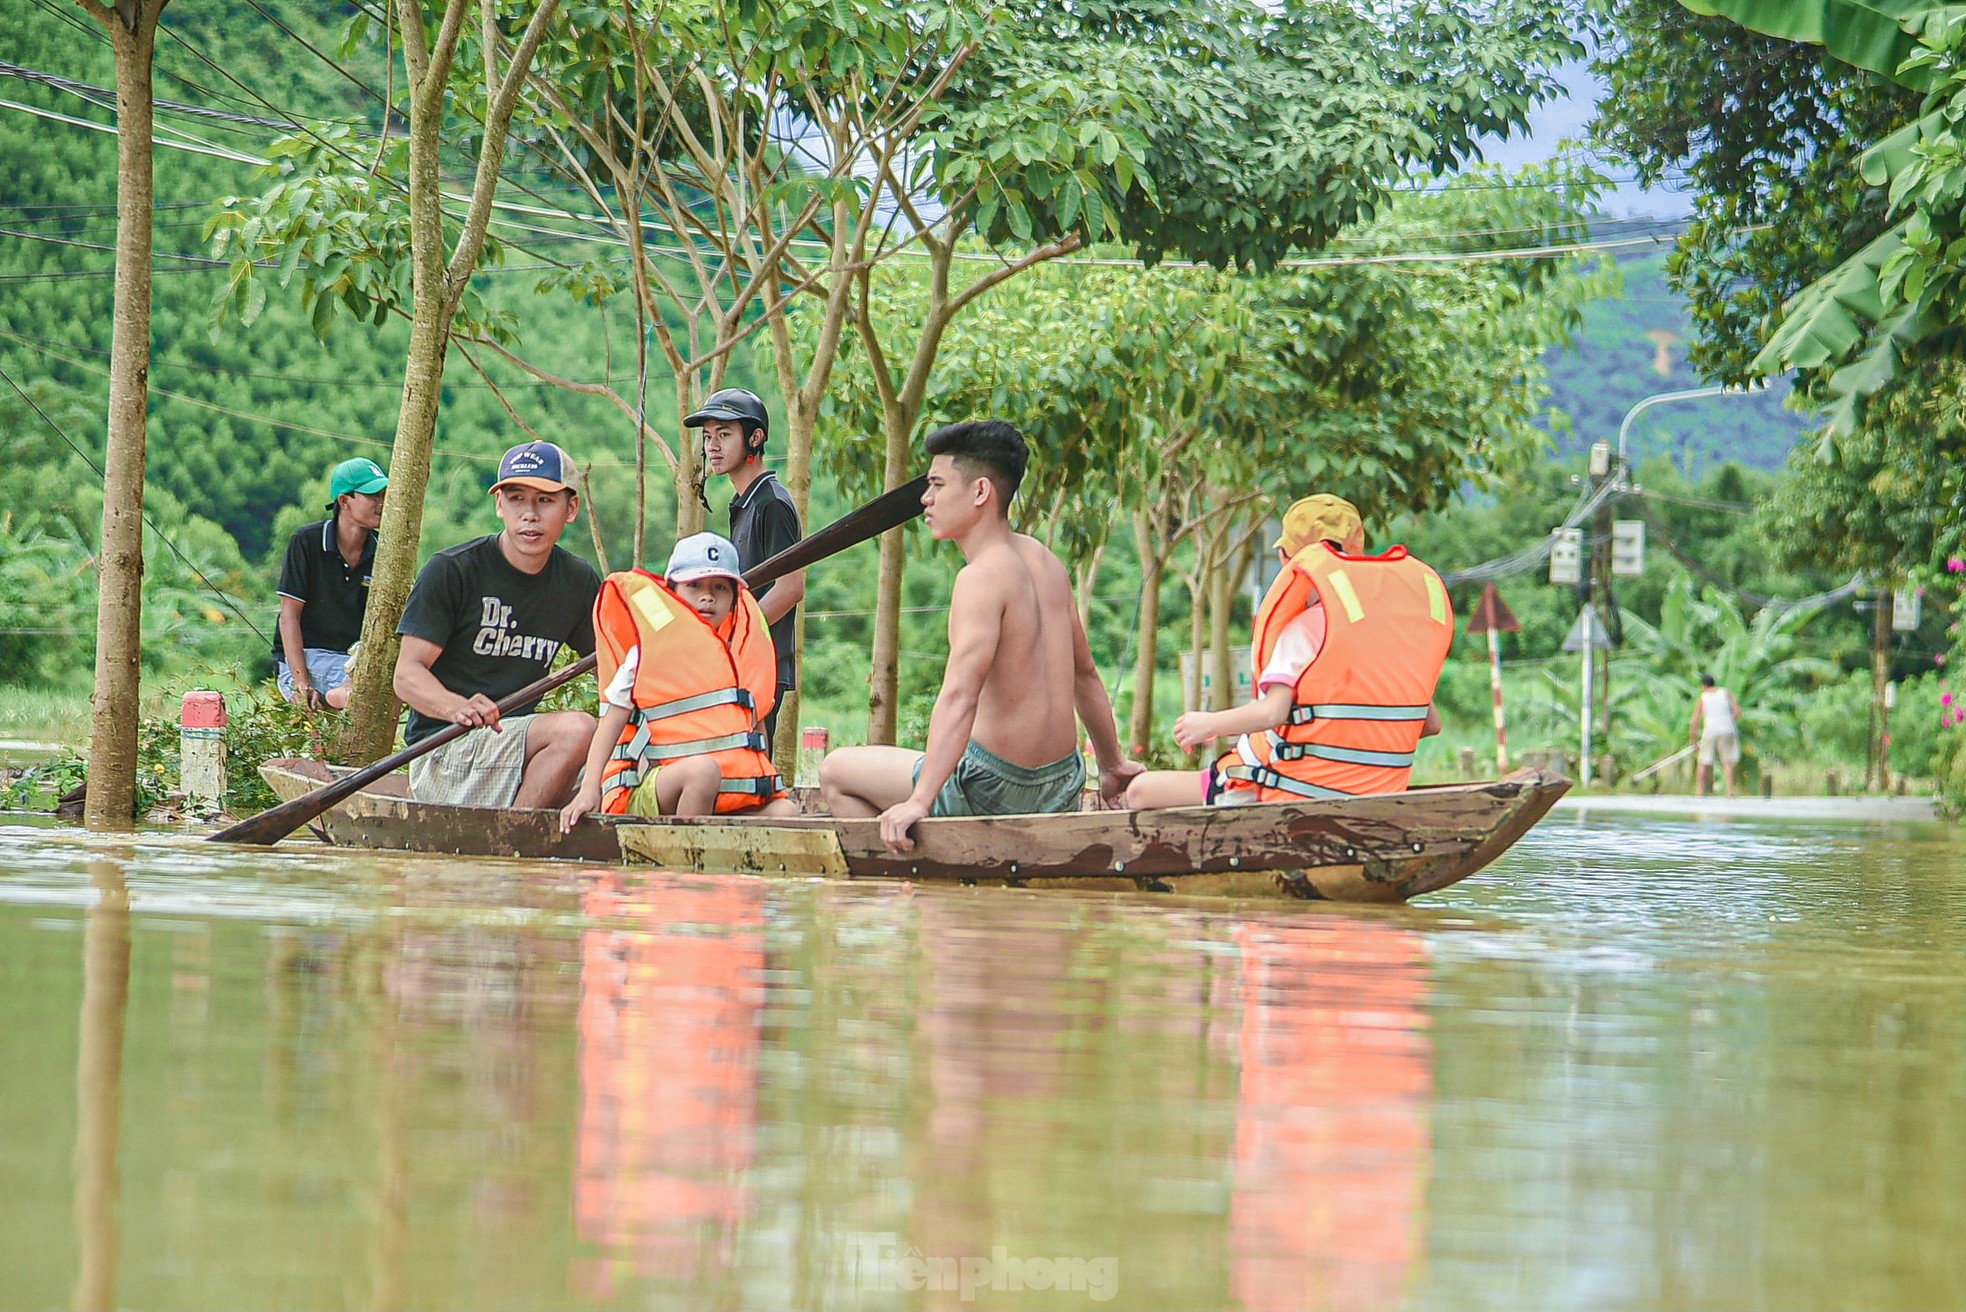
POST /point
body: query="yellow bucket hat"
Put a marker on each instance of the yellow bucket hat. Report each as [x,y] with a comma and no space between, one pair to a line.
[1318,518]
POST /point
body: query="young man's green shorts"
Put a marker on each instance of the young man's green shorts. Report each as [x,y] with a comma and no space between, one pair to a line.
[986,784]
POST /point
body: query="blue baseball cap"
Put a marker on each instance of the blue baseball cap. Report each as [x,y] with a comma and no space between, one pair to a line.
[703,556]
[538,465]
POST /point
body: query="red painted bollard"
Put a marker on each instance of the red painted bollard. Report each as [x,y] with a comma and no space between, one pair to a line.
[201,746]
[814,739]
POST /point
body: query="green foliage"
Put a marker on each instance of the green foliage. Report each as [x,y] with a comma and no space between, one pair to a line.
[1769,133]
[1889,500]
[1868,318]
[1761,660]
[40,786]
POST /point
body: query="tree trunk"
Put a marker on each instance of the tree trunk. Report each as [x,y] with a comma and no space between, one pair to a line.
[884,676]
[372,705]
[1087,579]
[690,473]
[799,426]
[1221,600]
[439,278]
[1192,682]
[1880,681]
[1140,724]
[119,607]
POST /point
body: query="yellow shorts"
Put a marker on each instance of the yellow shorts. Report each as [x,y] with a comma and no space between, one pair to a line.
[642,801]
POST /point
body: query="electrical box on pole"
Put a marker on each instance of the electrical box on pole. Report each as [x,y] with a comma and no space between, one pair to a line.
[1628,547]
[1907,609]
[1600,459]
[1566,555]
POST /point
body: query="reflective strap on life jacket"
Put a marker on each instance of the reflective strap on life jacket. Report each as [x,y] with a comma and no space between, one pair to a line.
[1304,714]
[761,786]
[701,701]
[1263,777]
[639,746]
[1284,750]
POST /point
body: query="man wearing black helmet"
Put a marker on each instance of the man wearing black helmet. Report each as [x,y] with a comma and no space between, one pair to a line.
[763,520]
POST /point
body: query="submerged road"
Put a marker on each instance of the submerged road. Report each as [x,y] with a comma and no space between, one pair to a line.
[1908,809]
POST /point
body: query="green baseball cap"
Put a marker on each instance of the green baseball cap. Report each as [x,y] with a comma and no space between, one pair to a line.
[358,475]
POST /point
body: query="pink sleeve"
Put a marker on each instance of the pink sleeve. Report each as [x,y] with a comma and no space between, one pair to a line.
[1297,646]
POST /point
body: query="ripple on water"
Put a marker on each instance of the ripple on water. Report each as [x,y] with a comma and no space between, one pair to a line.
[1646,1063]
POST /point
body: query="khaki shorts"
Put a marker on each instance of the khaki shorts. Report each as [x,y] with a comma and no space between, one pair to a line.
[1727,746]
[479,768]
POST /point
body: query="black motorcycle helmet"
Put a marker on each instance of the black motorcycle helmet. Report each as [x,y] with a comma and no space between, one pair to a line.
[737,405]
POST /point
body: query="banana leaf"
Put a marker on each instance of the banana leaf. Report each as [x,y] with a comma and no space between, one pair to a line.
[1878,35]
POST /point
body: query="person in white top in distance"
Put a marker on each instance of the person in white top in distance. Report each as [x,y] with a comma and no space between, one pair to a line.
[1716,728]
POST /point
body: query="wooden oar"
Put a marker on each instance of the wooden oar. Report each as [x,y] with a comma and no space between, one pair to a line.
[889,510]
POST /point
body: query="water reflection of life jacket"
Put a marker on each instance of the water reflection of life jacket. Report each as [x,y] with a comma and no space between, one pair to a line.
[1358,708]
[699,691]
[1329,1204]
[670,1033]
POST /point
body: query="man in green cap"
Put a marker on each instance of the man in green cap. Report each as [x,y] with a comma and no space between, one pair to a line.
[324,587]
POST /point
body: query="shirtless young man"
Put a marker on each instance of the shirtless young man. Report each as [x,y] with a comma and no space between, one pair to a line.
[1002,738]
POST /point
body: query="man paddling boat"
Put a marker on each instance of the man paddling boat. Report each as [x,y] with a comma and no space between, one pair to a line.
[1348,648]
[1002,739]
[486,619]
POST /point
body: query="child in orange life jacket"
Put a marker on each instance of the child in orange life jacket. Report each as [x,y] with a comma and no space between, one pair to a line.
[1411,631]
[688,674]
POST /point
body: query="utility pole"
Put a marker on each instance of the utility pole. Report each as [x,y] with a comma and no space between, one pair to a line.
[1880,680]
[1602,471]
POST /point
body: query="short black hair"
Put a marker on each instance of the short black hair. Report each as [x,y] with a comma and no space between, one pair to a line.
[989,448]
[1706,680]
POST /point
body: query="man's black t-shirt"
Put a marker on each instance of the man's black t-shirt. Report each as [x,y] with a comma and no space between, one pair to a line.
[763,522]
[500,627]
[331,592]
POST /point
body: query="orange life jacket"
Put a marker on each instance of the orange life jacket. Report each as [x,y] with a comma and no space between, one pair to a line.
[1358,708]
[698,690]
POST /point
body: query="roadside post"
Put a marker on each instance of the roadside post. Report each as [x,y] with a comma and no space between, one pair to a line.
[201,747]
[1586,635]
[814,739]
[1493,617]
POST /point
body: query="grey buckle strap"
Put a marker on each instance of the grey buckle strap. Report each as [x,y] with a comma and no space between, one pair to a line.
[1266,778]
[703,746]
[701,701]
[1289,751]
[761,786]
[1303,713]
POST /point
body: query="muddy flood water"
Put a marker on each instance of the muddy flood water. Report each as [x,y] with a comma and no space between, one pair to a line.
[1637,1064]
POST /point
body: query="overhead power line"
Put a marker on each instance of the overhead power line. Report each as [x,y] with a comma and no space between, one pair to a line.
[216,591]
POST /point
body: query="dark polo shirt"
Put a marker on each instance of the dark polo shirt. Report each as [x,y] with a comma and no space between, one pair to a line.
[332,593]
[763,522]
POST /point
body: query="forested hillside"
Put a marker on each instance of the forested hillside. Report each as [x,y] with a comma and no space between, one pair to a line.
[1634,344]
[248,420]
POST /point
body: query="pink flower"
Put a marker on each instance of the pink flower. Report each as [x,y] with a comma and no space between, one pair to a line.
[1956,566]
[1939,660]
[1945,699]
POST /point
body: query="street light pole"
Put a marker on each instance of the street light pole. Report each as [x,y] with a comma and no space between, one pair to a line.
[1645,403]
[1619,473]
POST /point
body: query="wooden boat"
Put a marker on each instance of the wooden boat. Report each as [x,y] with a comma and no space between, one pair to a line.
[1367,849]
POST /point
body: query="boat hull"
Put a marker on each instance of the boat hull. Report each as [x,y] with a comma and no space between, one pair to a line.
[1366,849]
